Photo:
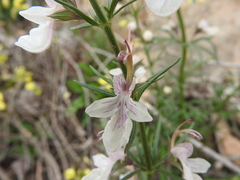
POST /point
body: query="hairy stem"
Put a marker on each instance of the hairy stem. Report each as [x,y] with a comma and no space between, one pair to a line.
[106,25]
[181,77]
[146,150]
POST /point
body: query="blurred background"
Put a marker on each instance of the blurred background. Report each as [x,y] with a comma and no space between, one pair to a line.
[44,131]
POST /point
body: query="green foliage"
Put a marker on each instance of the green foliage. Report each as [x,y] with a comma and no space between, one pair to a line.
[65,15]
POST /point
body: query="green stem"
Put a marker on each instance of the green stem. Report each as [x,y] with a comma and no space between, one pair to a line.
[98,11]
[146,150]
[146,50]
[112,40]
[107,28]
[181,77]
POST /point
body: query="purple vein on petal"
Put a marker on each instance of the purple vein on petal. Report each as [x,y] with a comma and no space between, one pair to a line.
[130,109]
[109,101]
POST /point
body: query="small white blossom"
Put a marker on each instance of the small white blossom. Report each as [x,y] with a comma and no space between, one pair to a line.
[209,30]
[169,26]
[40,38]
[147,35]
[167,89]
[190,165]
[104,165]
[132,25]
[121,109]
[163,7]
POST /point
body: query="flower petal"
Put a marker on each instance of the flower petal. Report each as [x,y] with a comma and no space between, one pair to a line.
[187,173]
[116,137]
[198,165]
[119,84]
[139,73]
[137,111]
[37,14]
[180,153]
[101,160]
[38,39]
[103,108]
[188,148]
[95,174]
[119,154]
[115,72]
[196,177]
[163,7]
[54,4]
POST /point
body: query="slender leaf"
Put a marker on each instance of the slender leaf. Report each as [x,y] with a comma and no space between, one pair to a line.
[96,89]
[171,175]
[81,26]
[131,138]
[101,76]
[157,133]
[112,8]
[125,5]
[133,157]
[130,174]
[65,15]
[76,10]
[152,79]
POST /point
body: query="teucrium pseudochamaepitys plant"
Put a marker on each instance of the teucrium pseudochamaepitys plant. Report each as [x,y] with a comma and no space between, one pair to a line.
[125,114]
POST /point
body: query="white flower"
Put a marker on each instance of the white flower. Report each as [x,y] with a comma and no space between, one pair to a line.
[104,165]
[132,25]
[190,165]
[169,26]
[167,89]
[121,109]
[148,35]
[209,30]
[163,7]
[40,38]
[137,74]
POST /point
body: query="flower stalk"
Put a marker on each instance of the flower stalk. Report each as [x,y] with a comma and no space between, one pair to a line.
[146,149]
[106,25]
[181,77]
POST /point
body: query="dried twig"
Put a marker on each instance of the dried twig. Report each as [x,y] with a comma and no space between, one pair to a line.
[53,168]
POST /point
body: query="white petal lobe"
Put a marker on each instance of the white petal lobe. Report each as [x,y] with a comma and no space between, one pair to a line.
[116,137]
[38,40]
[138,111]
[163,7]
[103,108]
[37,14]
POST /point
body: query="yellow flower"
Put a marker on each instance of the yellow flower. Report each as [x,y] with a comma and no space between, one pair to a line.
[5,4]
[3,105]
[86,160]
[86,172]
[70,173]
[1,96]
[37,91]
[3,59]
[83,172]
[18,5]
[123,23]
[102,82]
[22,75]
[31,86]
[66,95]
